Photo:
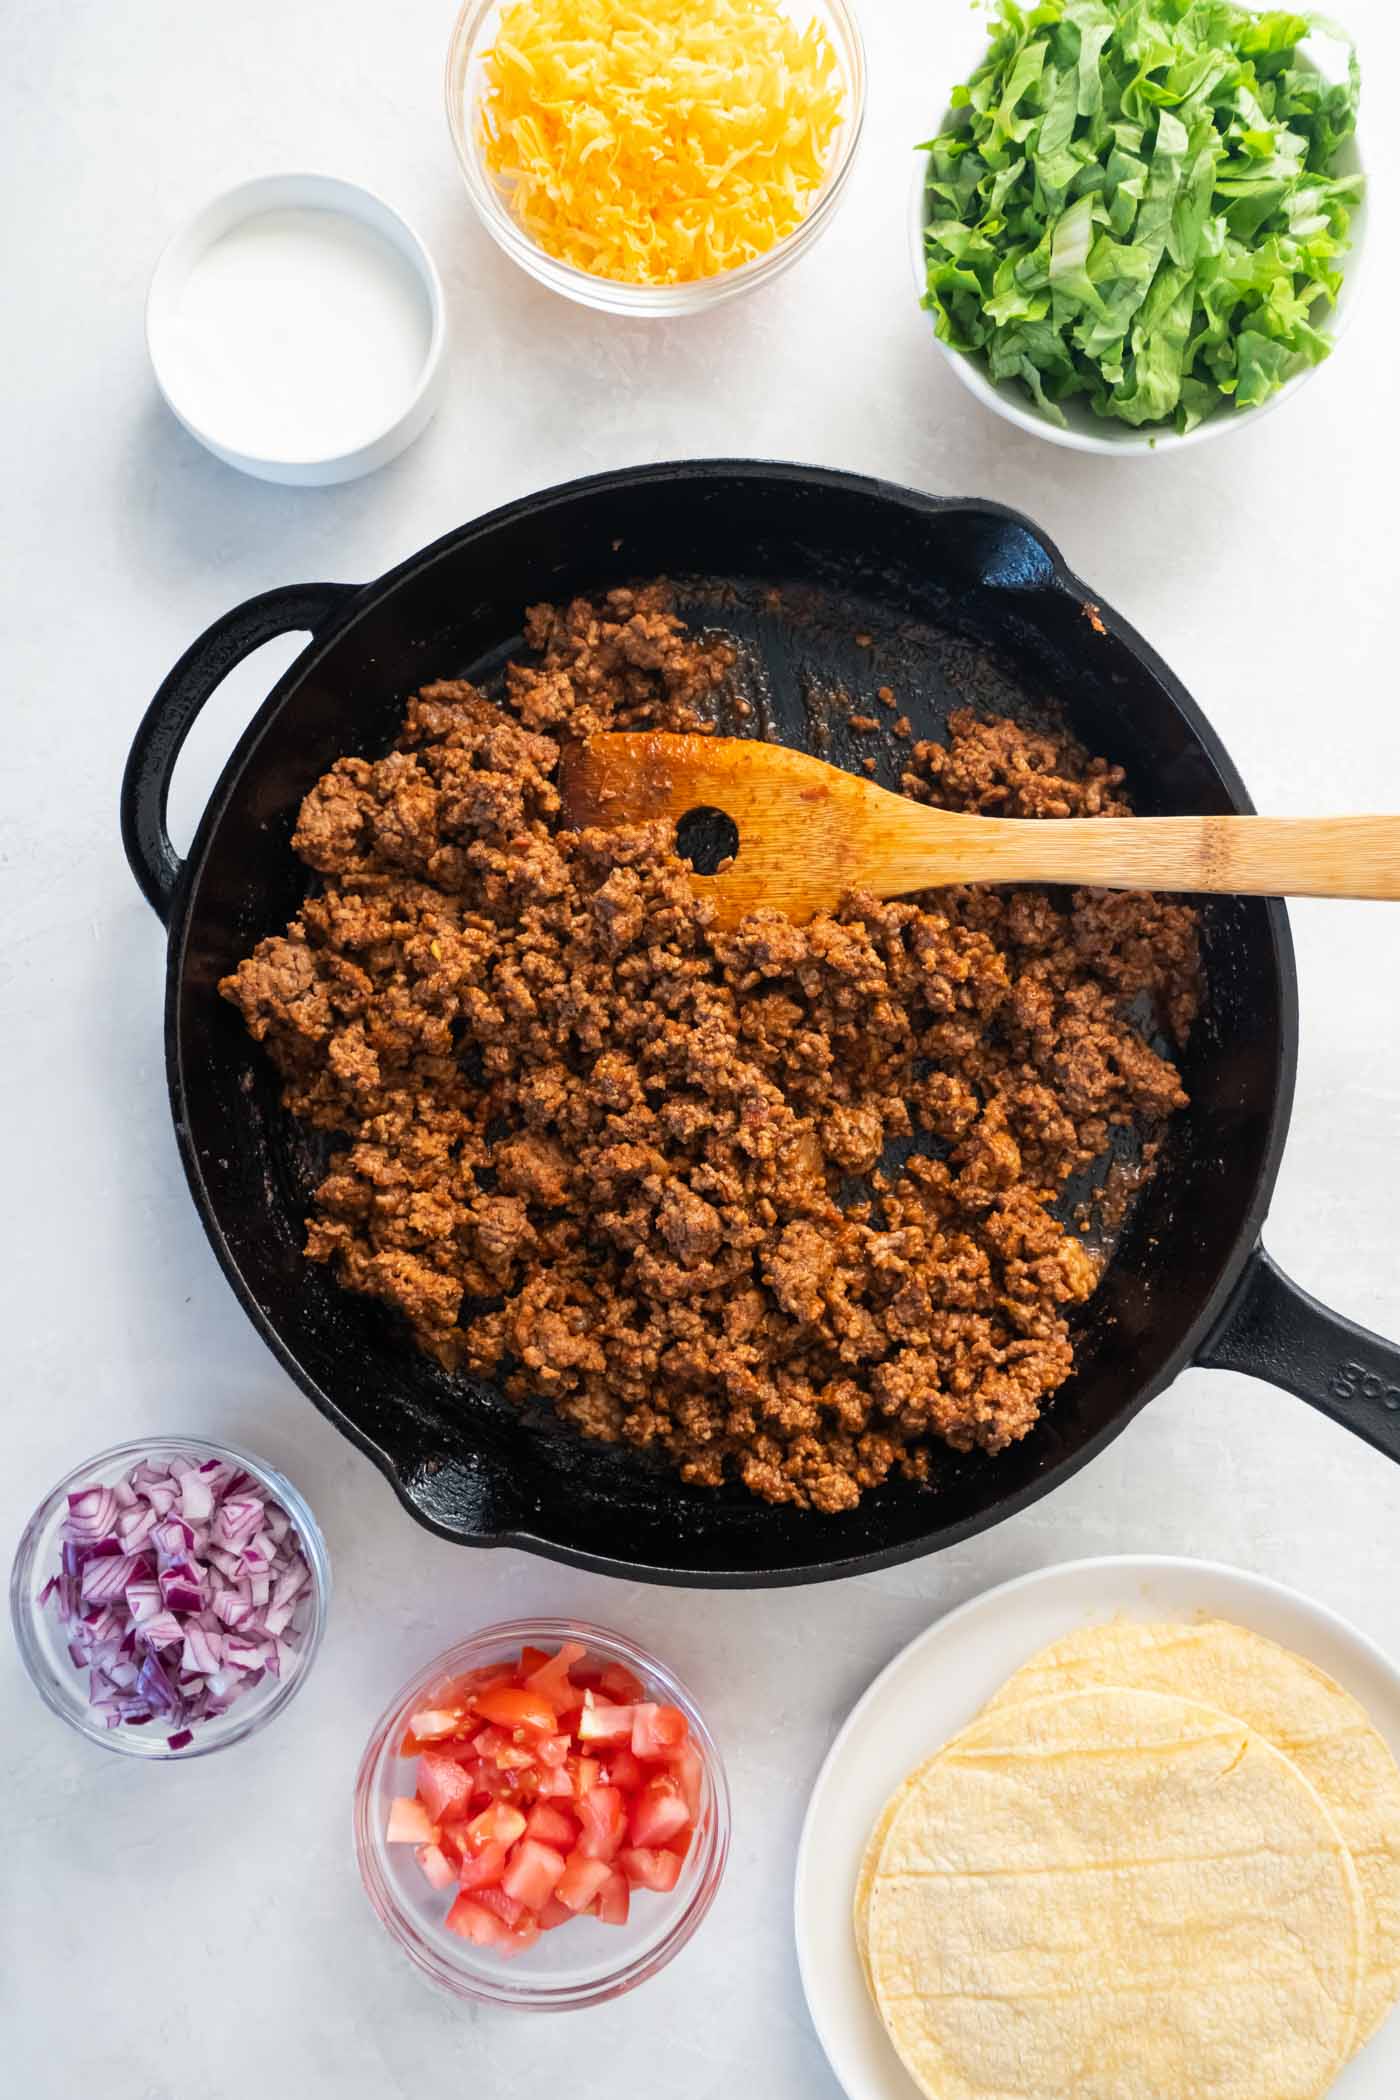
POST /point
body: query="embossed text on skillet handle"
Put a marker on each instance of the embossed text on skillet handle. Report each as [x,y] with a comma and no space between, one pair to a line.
[1273,1330]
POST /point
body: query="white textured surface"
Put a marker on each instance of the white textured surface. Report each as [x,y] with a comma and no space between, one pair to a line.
[199,1931]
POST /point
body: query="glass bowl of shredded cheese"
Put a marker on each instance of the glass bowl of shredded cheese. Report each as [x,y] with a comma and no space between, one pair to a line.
[655,156]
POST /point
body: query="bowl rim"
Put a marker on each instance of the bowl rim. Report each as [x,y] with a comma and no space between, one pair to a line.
[291,189]
[615,295]
[62,1699]
[997,396]
[428,1949]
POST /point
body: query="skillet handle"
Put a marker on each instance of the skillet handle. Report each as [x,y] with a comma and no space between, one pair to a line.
[1275,1331]
[172,714]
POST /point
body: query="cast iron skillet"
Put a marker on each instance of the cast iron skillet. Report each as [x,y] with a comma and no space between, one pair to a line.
[957,599]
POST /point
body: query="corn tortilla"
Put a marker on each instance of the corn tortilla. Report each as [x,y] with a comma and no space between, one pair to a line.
[1120,1895]
[1293,1705]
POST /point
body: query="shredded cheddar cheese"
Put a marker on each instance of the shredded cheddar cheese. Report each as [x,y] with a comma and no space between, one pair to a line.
[658,142]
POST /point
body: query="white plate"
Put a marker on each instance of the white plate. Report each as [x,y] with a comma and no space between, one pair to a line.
[936,1686]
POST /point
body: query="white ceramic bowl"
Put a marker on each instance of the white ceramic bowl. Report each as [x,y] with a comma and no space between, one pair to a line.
[1082,430]
[223,424]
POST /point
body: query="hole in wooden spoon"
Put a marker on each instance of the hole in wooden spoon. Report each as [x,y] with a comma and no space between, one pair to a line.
[706,837]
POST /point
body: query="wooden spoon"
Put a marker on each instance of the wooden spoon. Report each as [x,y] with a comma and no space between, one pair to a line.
[809,832]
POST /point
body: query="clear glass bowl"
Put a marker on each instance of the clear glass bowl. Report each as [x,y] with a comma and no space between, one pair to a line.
[39,1628]
[583,1963]
[472,36]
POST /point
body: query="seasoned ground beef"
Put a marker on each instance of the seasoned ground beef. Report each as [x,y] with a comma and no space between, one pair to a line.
[614,1159]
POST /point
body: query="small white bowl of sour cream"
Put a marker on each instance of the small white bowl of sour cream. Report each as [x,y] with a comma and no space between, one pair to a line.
[296,327]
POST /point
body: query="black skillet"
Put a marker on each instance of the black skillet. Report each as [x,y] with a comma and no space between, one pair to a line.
[952,601]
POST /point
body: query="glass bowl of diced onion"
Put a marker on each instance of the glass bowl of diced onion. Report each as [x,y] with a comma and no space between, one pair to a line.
[589,1961]
[168,1597]
[473,67]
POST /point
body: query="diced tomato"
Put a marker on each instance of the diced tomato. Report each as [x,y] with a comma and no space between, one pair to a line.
[453,1839]
[432,1724]
[494,1747]
[613,1900]
[650,1870]
[584,1774]
[620,1685]
[533,1873]
[657,1731]
[409,1822]
[548,1788]
[582,1879]
[483,1869]
[658,1814]
[463,1689]
[690,1777]
[602,1723]
[552,1826]
[499,1824]
[475,1923]
[509,1909]
[436,1866]
[625,1772]
[491,1785]
[602,1820]
[444,1789]
[552,1678]
[510,1706]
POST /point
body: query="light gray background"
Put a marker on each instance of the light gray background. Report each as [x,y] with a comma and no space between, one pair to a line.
[200,1931]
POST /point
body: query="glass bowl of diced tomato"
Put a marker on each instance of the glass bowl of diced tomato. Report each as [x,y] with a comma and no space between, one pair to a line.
[542,1816]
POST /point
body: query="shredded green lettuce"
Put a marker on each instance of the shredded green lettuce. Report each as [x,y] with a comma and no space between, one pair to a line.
[1137,201]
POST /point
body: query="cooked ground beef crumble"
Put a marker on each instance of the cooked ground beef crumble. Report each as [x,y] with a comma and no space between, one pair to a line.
[630,1165]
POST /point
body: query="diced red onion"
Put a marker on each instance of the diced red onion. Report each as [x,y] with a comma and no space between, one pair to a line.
[291,1582]
[107,1578]
[174,1538]
[179,1588]
[134,1527]
[244,1654]
[202,1650]
[91,1512]
[239,1520]
[163,1631]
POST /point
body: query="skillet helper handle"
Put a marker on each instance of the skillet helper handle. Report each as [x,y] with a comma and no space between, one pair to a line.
[1247,856]
[175,708]
[1273,1330]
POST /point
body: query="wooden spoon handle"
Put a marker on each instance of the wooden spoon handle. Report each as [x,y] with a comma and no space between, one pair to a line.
[1253,856]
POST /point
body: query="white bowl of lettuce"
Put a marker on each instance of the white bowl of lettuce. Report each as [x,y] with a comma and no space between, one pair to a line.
[1141,227]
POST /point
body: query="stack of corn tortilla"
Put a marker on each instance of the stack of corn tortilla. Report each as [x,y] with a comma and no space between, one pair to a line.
[1162,1863]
